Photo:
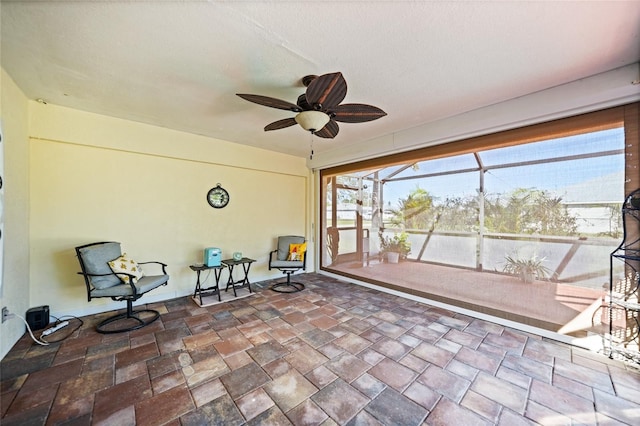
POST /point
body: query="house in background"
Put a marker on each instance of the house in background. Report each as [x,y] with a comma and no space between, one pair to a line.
[82,165]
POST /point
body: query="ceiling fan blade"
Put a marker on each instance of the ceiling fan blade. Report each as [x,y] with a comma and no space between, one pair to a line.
[356,113]
[280,124]
[327,90]
[329,131]
[270,102]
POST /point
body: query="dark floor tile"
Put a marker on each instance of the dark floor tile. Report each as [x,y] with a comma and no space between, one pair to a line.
[112,399]
[317,337]
[233,345]
[85,385]
[392,408]
[355,325]
[163,407]
[305,359]
[55,374]
[141,353]
[35,416]
[219,412]
[347,366]
[29,398]
[267,352]
[105,349]
[6,398]
[272,416]
[340,401]
[393,374]
[277,368]
[75,412]
[13,368]
[364,419]
[167,363]
[13,383]
[321,376]
[244,380]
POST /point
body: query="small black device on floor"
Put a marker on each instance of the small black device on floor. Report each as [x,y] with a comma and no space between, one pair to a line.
[38,317]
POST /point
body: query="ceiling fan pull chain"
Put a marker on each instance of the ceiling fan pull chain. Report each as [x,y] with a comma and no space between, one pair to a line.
[311,155]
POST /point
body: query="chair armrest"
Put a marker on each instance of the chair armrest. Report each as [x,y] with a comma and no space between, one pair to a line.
[271,257]
[164,265]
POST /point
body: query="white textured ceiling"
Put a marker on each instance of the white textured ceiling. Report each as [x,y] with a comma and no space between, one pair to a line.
[179,64]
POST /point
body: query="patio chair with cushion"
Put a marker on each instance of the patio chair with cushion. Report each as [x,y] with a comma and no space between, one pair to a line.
[108,272]
[289,257]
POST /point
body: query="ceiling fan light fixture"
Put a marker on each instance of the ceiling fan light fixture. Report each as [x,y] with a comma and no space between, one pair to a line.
[312,121]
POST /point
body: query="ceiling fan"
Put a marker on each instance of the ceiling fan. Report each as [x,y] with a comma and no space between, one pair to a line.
[318,109]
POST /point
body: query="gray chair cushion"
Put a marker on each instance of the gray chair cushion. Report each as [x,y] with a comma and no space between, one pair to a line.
[283,247]
[143,285]
[95,260]
[283,264]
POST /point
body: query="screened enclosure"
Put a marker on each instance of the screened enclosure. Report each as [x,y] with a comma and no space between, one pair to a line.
[518,224]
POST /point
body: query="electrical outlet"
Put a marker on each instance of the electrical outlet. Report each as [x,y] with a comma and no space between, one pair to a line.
[5,314]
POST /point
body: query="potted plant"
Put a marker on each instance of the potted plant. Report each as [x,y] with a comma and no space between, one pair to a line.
[395,247]
[527,269]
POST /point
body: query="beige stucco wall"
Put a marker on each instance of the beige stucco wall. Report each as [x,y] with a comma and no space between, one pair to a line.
[15,272]
[97,178]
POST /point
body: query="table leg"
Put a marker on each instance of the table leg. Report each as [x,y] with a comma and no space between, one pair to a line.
[197,291]
[246,267]
[218,274]
[230,281]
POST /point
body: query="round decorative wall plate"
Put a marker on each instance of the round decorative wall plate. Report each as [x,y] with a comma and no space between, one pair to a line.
[218,197]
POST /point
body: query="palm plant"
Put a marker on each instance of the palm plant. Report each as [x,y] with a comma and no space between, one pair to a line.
[527,269]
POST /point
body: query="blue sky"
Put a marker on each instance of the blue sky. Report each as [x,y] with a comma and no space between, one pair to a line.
[597,179]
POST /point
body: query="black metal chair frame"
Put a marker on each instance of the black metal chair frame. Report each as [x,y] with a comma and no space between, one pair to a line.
[287,286]
[130,312]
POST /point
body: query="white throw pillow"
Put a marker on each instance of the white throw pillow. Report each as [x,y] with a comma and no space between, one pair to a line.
[126,265]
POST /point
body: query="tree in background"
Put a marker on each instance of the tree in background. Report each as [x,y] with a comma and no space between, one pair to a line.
[529,211]
[458,214]
[522,211]
[415,211]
